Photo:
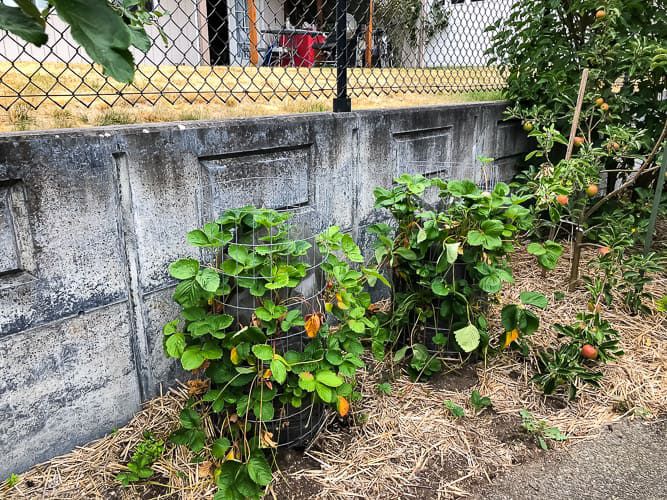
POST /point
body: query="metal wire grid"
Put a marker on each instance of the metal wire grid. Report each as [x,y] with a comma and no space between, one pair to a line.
[267,49]
[291,427]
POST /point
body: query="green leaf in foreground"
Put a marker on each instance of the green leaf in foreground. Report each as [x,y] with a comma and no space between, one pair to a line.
[454,409]
[16,21]
[102,33]
[467,338]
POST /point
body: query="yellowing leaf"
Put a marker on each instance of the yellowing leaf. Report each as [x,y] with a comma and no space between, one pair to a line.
[313,324]
[328,307]
[234,356]
[267,373]
[231,455]
[340,303]
[343,406]
[510,337]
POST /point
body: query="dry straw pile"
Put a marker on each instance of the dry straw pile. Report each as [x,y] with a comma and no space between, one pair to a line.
[406,445]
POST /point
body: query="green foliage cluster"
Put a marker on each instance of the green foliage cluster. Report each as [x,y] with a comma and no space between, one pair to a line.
[105,29]
[145,453]
[544,45]
[443,260]
[540,429]
[252,371]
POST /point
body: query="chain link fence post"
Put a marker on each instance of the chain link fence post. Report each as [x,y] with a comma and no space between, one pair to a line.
[341,103]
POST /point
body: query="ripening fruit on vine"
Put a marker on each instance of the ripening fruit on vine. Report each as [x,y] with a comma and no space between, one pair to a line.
[528,126]
[599,101]
[562,199]
[604,251]
[589,352]
[578,141]
[600,14]
[592,190]
[604,106]
[614,145]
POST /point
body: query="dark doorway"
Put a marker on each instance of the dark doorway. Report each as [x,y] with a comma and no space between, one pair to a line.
[218,32]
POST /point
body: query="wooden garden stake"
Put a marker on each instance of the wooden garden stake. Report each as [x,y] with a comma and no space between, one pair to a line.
[577,113]
[578,239]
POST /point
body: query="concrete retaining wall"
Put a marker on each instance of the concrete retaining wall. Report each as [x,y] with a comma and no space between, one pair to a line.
[90,219]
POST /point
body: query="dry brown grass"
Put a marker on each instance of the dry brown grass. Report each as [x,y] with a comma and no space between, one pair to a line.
[406,445]
[176,93]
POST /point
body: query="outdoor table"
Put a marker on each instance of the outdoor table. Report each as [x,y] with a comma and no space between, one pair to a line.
[300,42]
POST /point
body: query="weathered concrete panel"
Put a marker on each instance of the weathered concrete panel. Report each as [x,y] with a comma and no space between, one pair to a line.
[90,220]
[9,253]
[273,178]
[71,204]
[64,384]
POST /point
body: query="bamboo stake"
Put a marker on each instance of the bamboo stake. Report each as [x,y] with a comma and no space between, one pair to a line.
[578,239]
[660,181]
[577,113]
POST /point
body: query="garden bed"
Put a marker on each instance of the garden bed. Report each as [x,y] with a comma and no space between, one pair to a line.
[405,444]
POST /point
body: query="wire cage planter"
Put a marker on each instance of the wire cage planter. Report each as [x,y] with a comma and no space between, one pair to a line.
[284,240]
[426,326]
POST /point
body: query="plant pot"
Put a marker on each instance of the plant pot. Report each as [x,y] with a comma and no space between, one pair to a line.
[293,427]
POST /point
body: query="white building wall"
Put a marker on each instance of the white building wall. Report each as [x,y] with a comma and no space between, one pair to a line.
[464,42]
[180,25]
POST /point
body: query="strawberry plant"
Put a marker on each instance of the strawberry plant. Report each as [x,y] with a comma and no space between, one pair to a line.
[519,322]
[145,453]
[444,258]
[479,402]
[266,349]
[540,429]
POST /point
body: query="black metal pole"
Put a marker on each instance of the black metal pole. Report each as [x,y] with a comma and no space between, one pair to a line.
[341,103]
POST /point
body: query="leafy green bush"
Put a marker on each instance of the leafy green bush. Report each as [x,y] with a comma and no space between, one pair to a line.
[254,271]
[469,230]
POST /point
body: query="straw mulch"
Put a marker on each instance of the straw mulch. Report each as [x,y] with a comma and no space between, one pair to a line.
[406,445]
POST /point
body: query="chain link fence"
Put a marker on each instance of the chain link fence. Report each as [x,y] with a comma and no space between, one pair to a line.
[208,50]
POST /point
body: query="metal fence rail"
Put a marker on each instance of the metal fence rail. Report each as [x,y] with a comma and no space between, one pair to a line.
[270,49]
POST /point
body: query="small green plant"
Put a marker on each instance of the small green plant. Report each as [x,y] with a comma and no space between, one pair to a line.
[661,304]
[454,409]
[563,367]
[145,453]
[384,388]
[592,330]
[12,480]
[540,429]
[547,253]
[419,362]
[519,322]
[479,402]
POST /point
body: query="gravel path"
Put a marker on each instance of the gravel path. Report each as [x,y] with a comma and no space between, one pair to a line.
[627,461]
